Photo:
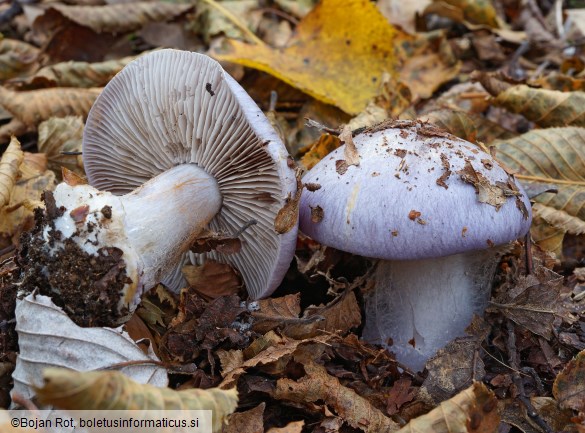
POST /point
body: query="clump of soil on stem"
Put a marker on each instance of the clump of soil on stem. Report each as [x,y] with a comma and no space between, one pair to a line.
[88,287]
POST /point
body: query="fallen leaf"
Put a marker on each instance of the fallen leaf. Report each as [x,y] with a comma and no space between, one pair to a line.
[42,326]
[479,12]
[550,157]
[287,217]
[17,58]
[456,366]
[401,13]
[272,312]
[112,390]
[9,165]
[534,301]
[569,385]
[278,348]
[455,122]
[350,152]
[546,108]
[74,74]
[292,427]
[559,219]
[33,106]
[213,279]
[472,410]
[110,18]
[324,145]
[59,135]
[400,393]
[318,385]
[249,421]
[324,59]
[548,409]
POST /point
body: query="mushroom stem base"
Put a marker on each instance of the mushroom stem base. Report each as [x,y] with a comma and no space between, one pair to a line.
[418,306]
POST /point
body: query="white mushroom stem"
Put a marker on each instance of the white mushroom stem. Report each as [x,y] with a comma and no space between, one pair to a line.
[418,306]
[153,225]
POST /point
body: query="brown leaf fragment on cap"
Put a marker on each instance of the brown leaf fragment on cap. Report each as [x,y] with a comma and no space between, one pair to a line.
[71,178]
[464,231]
[79,214]
[413,214]
[317,214]
[312,186]
[400,153]
[394,233]
[287,216]
[350,152]
[488,164]
[488,193]
[446,173]
[430,130]
[341,166]
[490,243]
[518,196]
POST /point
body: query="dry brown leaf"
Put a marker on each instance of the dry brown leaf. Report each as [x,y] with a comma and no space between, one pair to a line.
[550,158]
[288,216]
[213,279]
[569,385]
[401,13]
[456,366]
[487,192]
[473,410]
[272,312]
[350,153]
[74,74]
[112,18]
[9,166]
[534,301]
[33,106]
[559,219]
[324,145]
[551,413]
[318,385]
[479,12]
[559,81]
[249,421]
[292,427]
[58,135]
[17,58]
[401,392]
[112,390]
[456,122]
[33,179]
[71,178]
[271,350]
[547,108]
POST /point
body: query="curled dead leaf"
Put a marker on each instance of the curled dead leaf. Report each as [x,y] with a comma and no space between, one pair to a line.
[569,386]
[9,165]
[33,106]
[60,140]
[112,390]
[16,58]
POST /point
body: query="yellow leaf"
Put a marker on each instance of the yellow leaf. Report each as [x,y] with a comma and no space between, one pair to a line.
[9,164]
[112,390]
[338,54]
[472,410]
[324,145]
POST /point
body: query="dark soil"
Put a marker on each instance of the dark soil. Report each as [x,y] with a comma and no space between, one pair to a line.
[87,287]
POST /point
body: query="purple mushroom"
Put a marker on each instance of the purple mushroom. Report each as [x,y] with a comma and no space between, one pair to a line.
[436,210]
[174,146]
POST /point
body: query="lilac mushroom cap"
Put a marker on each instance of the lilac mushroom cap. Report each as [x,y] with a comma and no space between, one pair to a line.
[418,194]
[175,107]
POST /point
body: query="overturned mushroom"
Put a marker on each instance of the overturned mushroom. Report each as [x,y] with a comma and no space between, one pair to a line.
[186,148]
[426,204]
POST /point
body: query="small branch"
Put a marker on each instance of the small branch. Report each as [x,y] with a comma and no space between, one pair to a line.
[528,250]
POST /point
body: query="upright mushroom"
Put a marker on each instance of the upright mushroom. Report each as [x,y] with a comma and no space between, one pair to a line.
[434,209]
[187,149]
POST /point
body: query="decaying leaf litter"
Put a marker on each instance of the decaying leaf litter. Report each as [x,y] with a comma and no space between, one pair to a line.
[508,76]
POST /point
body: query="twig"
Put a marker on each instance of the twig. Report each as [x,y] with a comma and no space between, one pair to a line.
[236,21]
[279,13]
[528,250]
[515,362]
